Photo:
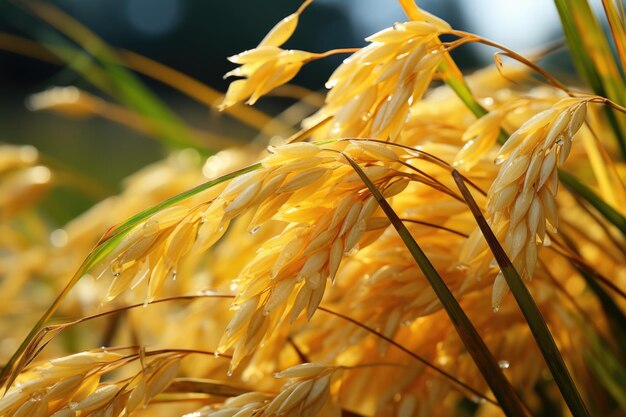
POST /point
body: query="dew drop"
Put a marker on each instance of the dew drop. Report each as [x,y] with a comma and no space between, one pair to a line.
[116,268]
[216,354]
[59,238]
[398,26]
[504,364]
[255,229]
[496,309]
[174,275]
[73,405]
[271,149]
[366,116]
[230,371]
[461,266]
[476,399]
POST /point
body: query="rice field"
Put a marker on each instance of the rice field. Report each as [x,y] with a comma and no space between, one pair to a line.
[425,242]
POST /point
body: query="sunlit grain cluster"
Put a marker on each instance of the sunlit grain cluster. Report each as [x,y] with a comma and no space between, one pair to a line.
[272,280]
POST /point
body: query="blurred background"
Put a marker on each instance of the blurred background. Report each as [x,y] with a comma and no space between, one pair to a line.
[195,37]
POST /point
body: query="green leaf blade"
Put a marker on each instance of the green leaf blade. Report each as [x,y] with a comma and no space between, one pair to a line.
[580,189]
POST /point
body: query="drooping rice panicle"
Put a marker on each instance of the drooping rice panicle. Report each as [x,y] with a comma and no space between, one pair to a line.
[522,196]
[80,384]
[267,66]
[371,92]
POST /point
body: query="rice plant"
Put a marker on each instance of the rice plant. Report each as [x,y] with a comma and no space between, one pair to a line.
[426,243]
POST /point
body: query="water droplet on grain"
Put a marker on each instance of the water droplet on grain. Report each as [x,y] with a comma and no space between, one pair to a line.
[255,229]
[496,309]
[504,364]
[398,26]
[476,399]
[461,266]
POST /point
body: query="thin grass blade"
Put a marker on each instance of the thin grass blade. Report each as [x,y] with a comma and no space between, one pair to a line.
[531,312]
[617,29]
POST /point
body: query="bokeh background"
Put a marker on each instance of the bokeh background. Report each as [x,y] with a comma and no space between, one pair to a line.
[195,37]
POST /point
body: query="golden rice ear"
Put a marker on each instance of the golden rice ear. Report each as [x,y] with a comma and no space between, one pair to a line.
[522,196]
